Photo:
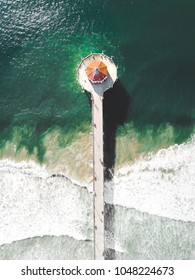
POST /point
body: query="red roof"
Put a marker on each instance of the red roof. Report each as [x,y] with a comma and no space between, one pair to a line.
[96,71]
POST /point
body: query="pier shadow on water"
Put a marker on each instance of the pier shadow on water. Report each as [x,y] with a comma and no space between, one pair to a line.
[115,106]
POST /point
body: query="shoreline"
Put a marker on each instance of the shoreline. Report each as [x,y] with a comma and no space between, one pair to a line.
[76,159]
[155,184]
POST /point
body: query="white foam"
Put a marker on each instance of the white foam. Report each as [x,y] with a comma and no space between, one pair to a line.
[34,204]
[162,184]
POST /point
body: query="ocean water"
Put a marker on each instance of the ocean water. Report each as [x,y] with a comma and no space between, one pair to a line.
[45,140]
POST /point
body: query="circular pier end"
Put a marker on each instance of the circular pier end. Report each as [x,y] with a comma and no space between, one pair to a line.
[98,87]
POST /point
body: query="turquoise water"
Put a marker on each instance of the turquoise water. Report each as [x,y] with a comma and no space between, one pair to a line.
[45,116]
[42,43]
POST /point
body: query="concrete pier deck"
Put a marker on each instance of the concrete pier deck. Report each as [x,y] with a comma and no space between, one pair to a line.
[98,176]
[97,90]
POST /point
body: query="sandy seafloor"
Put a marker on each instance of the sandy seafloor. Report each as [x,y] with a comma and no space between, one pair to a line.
[45,132]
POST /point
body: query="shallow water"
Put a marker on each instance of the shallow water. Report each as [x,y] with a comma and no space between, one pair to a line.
[154,196]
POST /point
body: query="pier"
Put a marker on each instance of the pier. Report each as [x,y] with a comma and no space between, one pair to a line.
[96,74]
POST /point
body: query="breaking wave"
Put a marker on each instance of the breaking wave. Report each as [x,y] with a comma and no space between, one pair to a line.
[36,203]
[162,184]
[153,198]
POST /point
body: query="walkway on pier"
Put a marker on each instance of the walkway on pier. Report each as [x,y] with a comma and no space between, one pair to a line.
[97,90]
